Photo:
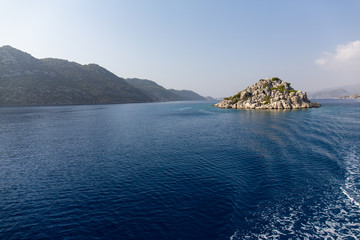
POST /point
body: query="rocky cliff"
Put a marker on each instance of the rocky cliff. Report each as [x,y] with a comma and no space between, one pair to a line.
[271,93]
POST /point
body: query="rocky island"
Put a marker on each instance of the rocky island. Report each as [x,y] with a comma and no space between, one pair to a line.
[271,93]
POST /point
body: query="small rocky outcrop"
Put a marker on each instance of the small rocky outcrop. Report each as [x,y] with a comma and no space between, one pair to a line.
[271,93]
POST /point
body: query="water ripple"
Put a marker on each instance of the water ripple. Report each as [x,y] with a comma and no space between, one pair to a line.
[179,171]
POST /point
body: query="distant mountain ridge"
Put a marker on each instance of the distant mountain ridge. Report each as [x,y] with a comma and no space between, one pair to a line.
[161,94]
[336,92]
[187,94]
[154,90]
[25,80]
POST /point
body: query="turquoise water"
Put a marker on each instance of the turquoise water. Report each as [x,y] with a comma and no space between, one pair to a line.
[179,170]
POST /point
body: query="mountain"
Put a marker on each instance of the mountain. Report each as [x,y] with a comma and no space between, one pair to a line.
[209,98]
[329,93]
[336,92]
[161,94]
[187,94]
[155,91]
[25,80]
[96,81]
[270,93]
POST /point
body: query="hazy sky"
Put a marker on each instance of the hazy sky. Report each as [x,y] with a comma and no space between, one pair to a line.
[214,47]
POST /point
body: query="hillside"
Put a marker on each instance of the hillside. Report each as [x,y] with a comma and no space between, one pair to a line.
[162,94]
[187,95]
[25,80]
[271,93]
[102,85]
[154,90]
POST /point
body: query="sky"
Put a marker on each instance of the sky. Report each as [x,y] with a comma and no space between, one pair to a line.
[213,47]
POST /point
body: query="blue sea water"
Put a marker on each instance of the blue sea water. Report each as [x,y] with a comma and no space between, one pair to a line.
[180,170]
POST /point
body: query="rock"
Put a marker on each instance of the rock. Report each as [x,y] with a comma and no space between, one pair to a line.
[271,93]
[245,95]
[296,100]
[286,104]
[315,104]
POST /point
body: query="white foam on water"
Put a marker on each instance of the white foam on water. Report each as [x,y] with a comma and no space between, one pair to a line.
[350,197]
[234,236]
[350,190]
[336,216]
[333,220]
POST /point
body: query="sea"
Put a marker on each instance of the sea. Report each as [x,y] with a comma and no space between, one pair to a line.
[180,170]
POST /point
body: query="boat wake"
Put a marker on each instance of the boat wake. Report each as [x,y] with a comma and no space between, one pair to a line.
[334,215]
[351,188]
[327,222]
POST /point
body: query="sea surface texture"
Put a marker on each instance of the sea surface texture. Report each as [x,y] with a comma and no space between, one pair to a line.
[180,170]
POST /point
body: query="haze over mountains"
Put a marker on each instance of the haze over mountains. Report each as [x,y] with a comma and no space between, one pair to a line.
[25,80]
[336,92]
[160,94]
